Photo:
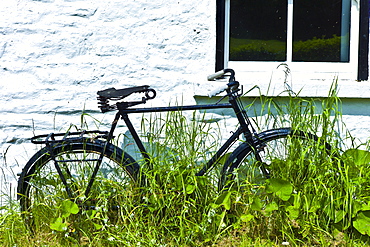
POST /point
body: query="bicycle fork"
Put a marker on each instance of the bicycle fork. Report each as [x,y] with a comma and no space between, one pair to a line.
[257,149]
[249,132]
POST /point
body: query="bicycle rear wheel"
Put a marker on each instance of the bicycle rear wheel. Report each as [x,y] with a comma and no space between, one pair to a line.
[42,192]
[286,154]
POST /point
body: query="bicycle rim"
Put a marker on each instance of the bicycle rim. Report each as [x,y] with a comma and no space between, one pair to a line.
[43,195]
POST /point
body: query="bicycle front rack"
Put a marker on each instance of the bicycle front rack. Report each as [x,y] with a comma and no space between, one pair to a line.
[68,136]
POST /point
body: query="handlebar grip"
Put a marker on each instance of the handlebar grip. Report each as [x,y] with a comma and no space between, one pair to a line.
[217,91]
[216,75]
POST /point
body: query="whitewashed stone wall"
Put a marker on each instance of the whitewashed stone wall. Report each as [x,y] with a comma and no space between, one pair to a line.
[56,54]
[78,45]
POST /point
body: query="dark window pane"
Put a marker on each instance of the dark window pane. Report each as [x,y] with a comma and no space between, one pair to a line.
[258,30]
[321,30]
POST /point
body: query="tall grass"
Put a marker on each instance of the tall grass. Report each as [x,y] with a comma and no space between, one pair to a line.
[320,199]
[329,205]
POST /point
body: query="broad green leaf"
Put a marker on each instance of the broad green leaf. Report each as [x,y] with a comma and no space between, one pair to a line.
[270,208]
[365,207]
[256,204]
[362,223]
[281,188]
[246,217]
[97,226]
[339,215]
[190,188]
[293,212]
[358,156]
[224,199]
[58,225]
[91,213]
[69,207]
[358,206]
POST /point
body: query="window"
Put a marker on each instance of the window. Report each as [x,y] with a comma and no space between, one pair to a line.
[314,36]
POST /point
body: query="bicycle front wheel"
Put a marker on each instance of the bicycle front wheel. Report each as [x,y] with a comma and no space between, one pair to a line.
[45,186]
[285,153]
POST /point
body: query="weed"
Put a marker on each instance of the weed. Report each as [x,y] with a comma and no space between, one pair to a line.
[315,197]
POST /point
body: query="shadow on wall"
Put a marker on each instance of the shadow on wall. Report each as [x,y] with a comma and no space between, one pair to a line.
[350,106]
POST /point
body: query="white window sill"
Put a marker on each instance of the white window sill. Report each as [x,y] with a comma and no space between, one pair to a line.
[276,84]
[354,96]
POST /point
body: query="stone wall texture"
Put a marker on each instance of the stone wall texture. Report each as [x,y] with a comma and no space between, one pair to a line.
[56,54]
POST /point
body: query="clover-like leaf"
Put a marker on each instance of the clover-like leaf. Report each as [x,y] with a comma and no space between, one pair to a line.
[281,188]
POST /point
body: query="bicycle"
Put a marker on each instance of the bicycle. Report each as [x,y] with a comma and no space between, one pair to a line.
[80,166]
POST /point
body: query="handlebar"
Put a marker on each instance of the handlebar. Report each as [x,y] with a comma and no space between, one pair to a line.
[221,73]
[216,75]
[217,90]
[220,89]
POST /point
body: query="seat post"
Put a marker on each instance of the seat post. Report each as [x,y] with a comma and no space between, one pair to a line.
[137,139]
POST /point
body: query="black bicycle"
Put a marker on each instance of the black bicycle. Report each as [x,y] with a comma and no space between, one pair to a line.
[88,169]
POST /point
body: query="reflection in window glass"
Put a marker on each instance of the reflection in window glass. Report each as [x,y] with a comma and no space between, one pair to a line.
[258,30]
[321,30]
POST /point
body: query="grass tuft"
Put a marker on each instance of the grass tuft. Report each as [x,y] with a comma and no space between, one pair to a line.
[320,201]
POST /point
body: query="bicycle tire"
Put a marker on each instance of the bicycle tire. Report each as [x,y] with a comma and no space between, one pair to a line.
[41,190]
[242,167]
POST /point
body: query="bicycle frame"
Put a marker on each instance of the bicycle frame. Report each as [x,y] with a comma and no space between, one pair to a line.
[125,108]
[240,113]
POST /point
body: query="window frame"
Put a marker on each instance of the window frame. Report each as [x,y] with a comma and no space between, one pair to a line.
[357,68]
